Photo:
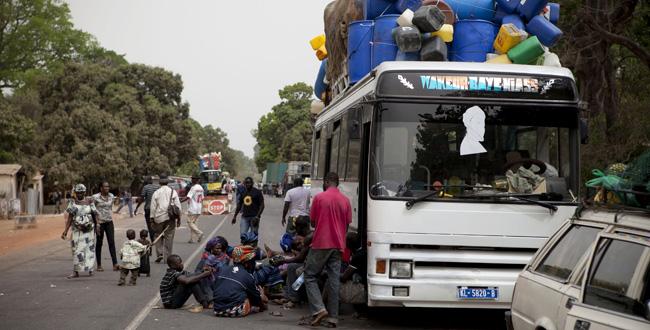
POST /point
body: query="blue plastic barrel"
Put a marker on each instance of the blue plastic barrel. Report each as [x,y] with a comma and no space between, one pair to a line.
[554,12]
[384,26]
[403,5]
[319,86]
[509,6]
[547,33]
[499,15]
[375,8]
[382,52]
[359,49]
[473,39]
[531,8]
[473,9]
[514,19]
[411,56]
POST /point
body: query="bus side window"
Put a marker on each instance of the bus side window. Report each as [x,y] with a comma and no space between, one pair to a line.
[315,154]
[322,148]
[333,150]
[343,147]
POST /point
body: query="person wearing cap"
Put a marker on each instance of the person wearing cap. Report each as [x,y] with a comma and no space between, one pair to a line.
[82,218]
[251,204]
[195,204]
[162,224]
[235,293]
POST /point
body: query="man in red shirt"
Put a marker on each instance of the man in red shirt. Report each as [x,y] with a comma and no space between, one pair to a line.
[331,214]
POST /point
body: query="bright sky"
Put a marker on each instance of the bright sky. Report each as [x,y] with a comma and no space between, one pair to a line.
[233,56]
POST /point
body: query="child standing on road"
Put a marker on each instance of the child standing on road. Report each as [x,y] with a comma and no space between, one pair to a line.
[145,266]
[130,255]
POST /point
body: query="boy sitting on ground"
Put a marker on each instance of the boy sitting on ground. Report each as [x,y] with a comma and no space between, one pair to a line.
[145,265]
[178,285]
[130,255]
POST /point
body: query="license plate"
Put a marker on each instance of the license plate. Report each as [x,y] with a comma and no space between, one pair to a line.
[478,293]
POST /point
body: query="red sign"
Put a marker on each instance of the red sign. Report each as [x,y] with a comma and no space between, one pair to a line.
[216,207]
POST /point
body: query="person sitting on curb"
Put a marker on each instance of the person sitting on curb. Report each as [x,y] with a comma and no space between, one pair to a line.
[178,285]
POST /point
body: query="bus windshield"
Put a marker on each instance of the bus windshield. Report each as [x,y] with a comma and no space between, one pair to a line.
[210,176]
[468,150]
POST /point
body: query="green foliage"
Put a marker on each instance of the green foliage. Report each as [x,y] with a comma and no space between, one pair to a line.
[37,35]
[16,130]
[285,133]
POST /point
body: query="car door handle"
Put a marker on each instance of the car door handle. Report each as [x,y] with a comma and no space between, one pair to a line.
[581,325]
[569,303]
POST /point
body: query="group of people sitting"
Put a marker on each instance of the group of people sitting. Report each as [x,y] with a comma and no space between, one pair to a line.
[240,280]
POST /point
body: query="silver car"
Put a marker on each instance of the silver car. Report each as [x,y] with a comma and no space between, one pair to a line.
[593,273]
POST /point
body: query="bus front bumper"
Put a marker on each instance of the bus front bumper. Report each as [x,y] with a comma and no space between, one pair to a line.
[441,289]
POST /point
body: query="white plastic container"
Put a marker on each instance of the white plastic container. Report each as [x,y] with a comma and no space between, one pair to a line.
[406,19]
[551,59]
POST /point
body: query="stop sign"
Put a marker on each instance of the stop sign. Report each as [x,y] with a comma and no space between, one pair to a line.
[216,207]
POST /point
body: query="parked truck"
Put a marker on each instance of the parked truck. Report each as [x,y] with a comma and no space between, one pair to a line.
[215,199]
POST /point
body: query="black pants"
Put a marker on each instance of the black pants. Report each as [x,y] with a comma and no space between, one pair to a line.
[109,229]
[147,215]
[183,292]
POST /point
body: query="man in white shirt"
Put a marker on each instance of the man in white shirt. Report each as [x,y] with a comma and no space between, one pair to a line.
[162,224]
[195,204]
[296,205]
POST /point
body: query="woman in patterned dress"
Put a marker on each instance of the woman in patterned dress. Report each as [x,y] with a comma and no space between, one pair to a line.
[82,219]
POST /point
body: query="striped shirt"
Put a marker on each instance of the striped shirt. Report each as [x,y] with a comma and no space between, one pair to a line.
[168,285]
[147,193]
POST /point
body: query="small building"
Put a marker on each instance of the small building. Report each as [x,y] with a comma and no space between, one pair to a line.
[19,195]
[11,179]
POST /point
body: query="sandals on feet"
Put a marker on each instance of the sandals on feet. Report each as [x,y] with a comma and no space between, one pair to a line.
[315,319]
[73,275]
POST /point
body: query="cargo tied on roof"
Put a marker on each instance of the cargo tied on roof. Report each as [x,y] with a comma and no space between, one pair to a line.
[361,34]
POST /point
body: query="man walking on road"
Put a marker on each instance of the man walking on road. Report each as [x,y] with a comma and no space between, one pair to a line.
[162,224]
[296,204]
[331,214]
[195,204]
[147,192]
[251,204]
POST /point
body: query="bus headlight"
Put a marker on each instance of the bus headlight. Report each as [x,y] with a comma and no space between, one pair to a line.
[401,269]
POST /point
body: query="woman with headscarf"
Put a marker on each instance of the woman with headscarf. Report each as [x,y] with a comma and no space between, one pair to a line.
[82,220]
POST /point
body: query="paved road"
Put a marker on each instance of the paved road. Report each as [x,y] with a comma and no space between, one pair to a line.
[35,294]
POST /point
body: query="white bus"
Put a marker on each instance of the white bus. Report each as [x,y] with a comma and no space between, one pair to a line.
[423,149]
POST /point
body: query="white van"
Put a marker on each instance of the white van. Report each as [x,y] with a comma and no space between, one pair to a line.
[594,273]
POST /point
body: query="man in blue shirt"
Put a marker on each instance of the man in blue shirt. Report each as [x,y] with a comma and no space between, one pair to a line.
[235,293]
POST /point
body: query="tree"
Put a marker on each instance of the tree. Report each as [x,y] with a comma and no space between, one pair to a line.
[38,35]
[284,134]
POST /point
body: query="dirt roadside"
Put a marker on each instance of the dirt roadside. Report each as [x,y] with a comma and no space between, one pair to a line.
[48,227]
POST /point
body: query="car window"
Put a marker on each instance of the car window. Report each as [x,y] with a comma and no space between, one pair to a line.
[566,253]
[618,278]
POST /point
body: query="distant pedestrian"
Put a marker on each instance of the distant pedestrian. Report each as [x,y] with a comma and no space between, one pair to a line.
[130,254]
[127,200]
[195,205]
[146,194]
[331,214]
[104,204]
[162,224]
[56,199]
[145,265]
[178,285]
[82,218]
[296,205]
[251,204]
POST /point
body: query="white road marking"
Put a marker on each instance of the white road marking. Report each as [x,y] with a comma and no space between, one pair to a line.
[135,323]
